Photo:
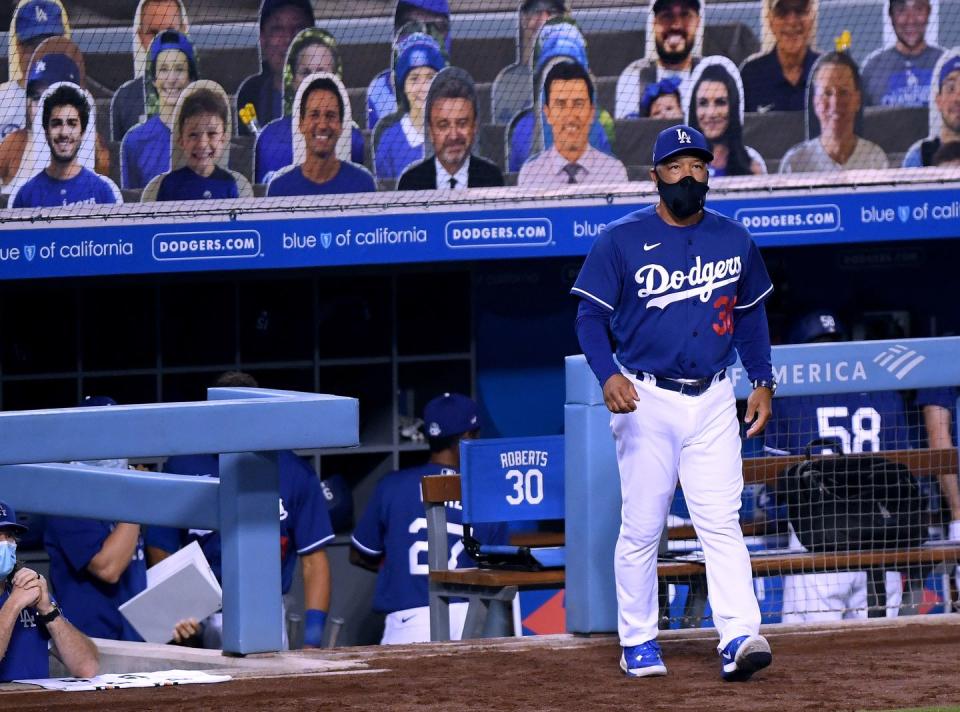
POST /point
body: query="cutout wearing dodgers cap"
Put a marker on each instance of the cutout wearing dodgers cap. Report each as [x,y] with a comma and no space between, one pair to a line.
[451,414]
[38,18]
[680,139]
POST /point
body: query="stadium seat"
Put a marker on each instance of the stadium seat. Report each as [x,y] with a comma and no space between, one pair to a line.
[503,480]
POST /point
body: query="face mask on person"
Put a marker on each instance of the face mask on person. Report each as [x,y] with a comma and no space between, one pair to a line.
[8,557]
[683,198]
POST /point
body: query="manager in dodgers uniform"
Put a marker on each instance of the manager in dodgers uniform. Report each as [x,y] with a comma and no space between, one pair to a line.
[679,287]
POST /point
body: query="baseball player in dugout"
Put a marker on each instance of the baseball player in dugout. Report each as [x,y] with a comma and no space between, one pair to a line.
[679,287]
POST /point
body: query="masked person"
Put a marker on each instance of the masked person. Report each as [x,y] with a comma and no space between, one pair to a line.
[32,624]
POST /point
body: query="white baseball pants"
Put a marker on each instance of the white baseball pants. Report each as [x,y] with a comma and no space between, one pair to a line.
[698,439]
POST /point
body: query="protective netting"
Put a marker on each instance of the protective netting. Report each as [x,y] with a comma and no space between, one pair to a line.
[204,100]
[850,510]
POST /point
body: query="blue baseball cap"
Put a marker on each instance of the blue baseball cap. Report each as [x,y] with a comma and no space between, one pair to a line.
[171,39]
[561,39]
[951,65]
[816,325]
[450,414]
[438,7]
[417,50]
[8,518]
[53,68]
[39,18]
[680,139]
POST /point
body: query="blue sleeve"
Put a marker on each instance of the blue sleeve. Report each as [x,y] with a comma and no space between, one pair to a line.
[945,397]
[19,201]
[593,333]
[600,279]
[754,284]
[913,159]
[368,534]
[356,146]
[79,539]
[751,337]
[381,157]
[164,538]
[311,524]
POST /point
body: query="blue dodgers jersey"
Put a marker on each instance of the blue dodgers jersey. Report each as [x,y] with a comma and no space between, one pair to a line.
[349,179]
[144,153]
[27,656]
[673,291]
[852,422]
[85,188]
[394,525]
[89,603]
[304,518]
[185,184]
[275,148]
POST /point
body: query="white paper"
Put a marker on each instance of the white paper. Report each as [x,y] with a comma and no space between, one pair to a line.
[162,678]
[179,587]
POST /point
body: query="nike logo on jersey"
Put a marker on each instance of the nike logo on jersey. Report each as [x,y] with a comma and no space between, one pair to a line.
[647,248]
[764,108]
[407,618]
[666,287]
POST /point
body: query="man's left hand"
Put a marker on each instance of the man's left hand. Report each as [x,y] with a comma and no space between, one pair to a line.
[759,410]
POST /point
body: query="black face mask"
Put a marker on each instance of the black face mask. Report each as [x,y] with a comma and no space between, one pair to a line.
[683,198]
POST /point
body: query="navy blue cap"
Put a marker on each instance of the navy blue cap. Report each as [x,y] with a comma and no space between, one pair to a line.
[38,18]
[680,139]
[8,518]
[950,66]
[52,68]
[450,414]
[91,401]
[816,325]
[669,85]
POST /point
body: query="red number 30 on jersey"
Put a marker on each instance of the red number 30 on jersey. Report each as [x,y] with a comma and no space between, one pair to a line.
[724,323]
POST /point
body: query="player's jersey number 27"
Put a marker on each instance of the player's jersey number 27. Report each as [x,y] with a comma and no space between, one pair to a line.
[418,550]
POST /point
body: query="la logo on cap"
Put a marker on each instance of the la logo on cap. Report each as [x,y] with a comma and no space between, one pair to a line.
[683,136]
[434,429]
[40,14]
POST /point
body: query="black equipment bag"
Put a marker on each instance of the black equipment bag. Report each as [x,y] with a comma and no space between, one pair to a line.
[852,502]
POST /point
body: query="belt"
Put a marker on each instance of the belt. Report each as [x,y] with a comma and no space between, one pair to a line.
[687,388]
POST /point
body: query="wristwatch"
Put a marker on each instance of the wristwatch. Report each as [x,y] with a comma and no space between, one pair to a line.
[48,618]
[765,383]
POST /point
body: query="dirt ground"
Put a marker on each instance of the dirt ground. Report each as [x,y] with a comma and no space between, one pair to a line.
[866,668]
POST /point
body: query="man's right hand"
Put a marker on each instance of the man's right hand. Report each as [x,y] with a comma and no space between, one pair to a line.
[26,589]
[619,394]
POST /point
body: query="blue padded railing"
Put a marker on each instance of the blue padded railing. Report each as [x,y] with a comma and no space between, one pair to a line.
[249,424]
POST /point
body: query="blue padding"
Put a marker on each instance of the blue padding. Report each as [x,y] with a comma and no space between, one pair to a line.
[813,369]
[182,501]
[593,519]
[264,420]
[507,549]
[512,479]
[550,557]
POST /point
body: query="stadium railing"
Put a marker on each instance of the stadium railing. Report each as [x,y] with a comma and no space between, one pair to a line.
[852,367]
[246,425]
